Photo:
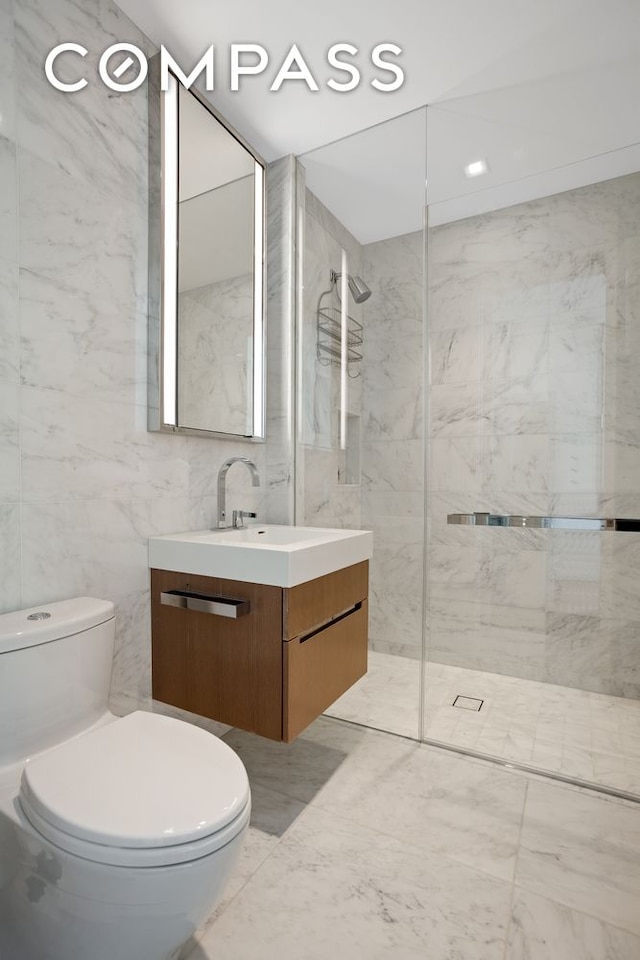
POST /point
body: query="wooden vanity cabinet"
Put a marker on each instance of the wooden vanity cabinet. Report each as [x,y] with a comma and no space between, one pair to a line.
[271,671]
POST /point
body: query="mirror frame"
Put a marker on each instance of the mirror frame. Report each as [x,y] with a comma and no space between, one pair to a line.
[163,266]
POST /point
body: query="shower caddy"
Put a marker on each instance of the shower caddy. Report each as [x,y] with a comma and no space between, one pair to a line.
[329,327]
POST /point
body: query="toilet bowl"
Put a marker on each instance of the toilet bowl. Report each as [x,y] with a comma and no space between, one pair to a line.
[117,839]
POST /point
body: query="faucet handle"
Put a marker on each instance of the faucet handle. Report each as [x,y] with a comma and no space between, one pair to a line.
[239,515]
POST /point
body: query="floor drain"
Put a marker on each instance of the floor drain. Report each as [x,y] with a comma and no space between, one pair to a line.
[468,703]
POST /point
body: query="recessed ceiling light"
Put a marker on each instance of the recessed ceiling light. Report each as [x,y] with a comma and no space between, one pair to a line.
[476,168]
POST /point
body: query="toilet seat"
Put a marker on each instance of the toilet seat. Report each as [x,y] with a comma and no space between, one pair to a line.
[145,790]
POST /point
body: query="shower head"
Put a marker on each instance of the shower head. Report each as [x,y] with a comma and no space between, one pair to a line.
[359,290]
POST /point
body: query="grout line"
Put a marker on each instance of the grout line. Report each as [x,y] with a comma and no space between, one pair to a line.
[514,885]
[553,775]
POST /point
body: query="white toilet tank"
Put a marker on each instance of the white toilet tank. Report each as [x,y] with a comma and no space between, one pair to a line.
[55,671]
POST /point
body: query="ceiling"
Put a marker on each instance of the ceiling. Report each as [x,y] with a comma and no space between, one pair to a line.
[547,91]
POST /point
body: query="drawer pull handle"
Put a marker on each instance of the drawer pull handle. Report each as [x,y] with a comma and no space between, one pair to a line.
[201,603]
[330,623]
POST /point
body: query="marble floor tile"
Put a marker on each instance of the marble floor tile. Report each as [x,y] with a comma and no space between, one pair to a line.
[272,814]
[365,845]
[436,801]
[334,888]
[579,734]
[301,769]
[543,930]
[468,811]
[386,698]
[583,851]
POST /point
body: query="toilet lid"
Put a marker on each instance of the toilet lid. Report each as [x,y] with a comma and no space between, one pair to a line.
[142,781]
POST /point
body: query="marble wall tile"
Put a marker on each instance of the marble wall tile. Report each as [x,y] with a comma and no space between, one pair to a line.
[577,217]
[624,636]
[132,655]
[84,548]
[394,269]
[412,650]
[388,397]
[518,578]
[9,322]
[547,295]
[578,347]
[338,507]
[620,464]
[391,361]
[454,409]
[94,239]
[201,514]
[455,465]
[496,638]
[7,74]
[393,465]
[10,566]
[9,442]
[455,356]
[107,455]
[621,568]
[622,397]
[455,569]
[456,300]
[578,652]
[392,503]
[393,414]
[206,456]
[502,236]
[395,591]
[96,135]
[575,406]
[627,192]
[8,201]
[282,181]
[515,352]
[76,342]
[93,483]
[578,285]
[517,463]
[509,407]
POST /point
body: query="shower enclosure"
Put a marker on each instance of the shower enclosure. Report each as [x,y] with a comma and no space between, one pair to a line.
[360,432]
[481,414]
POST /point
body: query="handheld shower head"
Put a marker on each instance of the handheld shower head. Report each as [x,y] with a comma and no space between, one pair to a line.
[358,288]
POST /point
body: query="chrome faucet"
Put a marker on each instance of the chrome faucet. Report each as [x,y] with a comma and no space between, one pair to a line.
[238,515]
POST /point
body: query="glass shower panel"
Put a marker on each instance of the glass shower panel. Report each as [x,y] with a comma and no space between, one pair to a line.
[360,430]
[533,652]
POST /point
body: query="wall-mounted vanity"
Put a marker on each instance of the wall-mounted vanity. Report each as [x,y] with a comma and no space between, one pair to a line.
[206,277]
[261,628]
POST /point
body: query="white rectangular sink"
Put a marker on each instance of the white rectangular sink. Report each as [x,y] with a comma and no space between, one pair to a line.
[274,554]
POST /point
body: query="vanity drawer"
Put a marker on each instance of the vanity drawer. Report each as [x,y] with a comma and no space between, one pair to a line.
[320,667]
[229,669]
[315,602]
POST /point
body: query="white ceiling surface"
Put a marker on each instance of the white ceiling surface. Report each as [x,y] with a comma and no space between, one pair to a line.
[533,86]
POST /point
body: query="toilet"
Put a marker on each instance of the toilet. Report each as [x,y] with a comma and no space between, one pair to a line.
[117,835]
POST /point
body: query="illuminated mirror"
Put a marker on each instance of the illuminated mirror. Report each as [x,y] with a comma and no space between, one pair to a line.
[207,282]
